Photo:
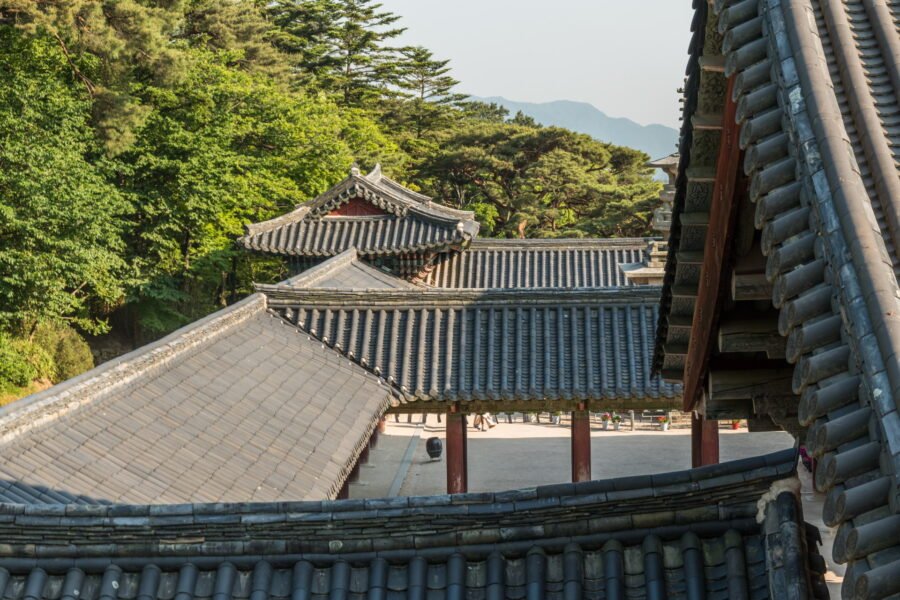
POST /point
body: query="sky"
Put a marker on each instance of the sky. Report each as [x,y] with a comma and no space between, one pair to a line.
[626,57]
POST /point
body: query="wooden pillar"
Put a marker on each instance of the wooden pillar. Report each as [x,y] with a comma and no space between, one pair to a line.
[581,444]
[381,425]
[457,459]
[704,441]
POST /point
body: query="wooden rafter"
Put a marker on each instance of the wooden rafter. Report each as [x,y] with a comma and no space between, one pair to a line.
[715,254]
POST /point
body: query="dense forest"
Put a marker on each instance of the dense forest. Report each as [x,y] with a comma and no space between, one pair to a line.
[137,137]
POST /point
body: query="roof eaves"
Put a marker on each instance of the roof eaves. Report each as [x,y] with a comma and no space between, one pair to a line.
[279,295]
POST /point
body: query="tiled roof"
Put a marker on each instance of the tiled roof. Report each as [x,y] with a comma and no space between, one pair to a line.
[348,271]
[410,223]
[563,263]
[816,85]
[511,345]
[652,536]
[236,407]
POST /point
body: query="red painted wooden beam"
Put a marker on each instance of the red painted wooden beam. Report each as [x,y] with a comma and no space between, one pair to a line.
[457,468]
[581,444]
[704,441]
[719,235]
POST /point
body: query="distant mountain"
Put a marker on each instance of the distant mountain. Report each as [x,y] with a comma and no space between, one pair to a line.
[655,140]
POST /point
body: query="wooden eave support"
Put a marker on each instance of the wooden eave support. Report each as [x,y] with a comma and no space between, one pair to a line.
[715,254]
[707,122]
[748,278]
[712,63]
[749,383]
[751,332]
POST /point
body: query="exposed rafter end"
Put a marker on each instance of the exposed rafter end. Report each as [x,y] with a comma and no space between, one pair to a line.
[713,64]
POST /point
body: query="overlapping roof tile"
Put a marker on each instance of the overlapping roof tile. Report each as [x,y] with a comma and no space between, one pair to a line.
[653,536]
[532,345]
[817,87]
[409,222]
[236,407]
[562,263]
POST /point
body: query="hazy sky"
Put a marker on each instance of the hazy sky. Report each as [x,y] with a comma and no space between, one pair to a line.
[626,57]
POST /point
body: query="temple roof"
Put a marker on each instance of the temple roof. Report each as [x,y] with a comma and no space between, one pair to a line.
[816,86]
[236,407]
[726,531]
[549,347]
[398,221]
[347,270]
[538,263]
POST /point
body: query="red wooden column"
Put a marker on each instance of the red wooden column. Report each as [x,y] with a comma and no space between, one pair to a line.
[581,443]
[704,441]
[457,459]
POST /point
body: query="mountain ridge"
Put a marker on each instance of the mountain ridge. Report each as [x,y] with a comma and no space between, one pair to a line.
[656,140]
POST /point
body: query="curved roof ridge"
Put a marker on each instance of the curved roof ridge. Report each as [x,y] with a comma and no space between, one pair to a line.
[525,243]
[278,294]
[251,229]
[767,467]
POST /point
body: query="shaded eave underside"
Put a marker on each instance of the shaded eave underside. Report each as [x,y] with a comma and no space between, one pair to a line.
[813,156]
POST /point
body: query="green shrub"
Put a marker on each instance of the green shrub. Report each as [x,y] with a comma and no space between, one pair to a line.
[23,361]
[71,354]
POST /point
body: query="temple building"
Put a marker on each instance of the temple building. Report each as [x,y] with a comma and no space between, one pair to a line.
[780,302]
[214,463]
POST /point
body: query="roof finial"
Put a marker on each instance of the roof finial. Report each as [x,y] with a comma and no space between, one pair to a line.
[375,174]
[354,169]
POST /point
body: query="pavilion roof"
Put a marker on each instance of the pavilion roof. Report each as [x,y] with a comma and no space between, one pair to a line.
[406,222]
[546,347]
[348,271]
[816,87]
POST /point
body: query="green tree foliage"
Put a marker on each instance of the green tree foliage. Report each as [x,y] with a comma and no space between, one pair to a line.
[528,181]
[341,46]
[108,45]
[239,27]
[69,353]
[21,362]
[61,221]
[221,149]
[138,137]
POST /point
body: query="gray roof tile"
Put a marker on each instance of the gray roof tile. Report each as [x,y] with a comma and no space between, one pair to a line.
[818,127]
[503,345]
[169,435]
[554,263]
[473,545]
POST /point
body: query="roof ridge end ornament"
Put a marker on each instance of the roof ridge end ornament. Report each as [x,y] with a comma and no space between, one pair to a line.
[354,169]
[375,174]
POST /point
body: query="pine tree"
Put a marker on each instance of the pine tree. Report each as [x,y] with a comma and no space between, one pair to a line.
[108,46]
[428,88]
[237,26]
[341,47]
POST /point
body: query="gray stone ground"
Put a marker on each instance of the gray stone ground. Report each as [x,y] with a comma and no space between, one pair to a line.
[520,455]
